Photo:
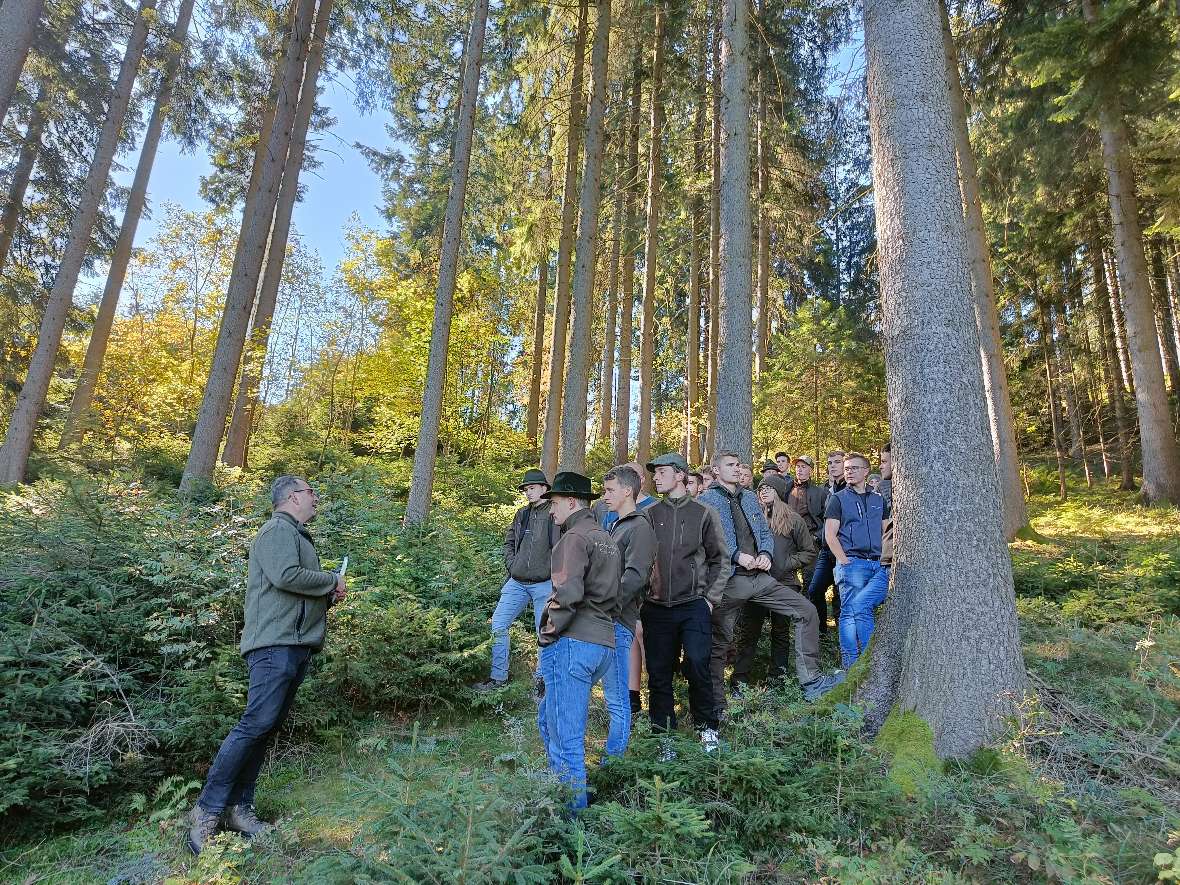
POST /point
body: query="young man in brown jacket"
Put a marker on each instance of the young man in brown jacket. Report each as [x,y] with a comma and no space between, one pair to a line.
[577,635]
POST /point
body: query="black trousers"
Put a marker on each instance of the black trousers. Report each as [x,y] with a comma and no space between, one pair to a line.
[823,577]
[750,631]
[667,630]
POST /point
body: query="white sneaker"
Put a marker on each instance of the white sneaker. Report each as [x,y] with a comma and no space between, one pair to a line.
[709,739]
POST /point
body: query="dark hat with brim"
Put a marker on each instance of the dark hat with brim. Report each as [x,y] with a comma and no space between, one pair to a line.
[769,465]
[534,477]
[780,486]
[569,484]
[671,459]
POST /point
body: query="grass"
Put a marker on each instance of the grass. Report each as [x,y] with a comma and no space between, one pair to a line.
[1086,789]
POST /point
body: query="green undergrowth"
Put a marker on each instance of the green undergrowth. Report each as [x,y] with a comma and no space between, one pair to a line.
[119,608]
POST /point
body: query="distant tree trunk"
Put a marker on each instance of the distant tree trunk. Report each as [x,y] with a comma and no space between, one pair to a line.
[1067,375]
[1161,453]
[655,175]
[30,149]
[96,349]
[734,385]
[539,315]
[565,248]
[237,439]
[627,305]
[715,233]
[995,374]
[695,207]
[18,24]
[606,384]
[14,453]
[1163,319]
[1052,385]
[577,376]
[257,219]
[1118,324]
[947,646]
[422,483]
[1114,375]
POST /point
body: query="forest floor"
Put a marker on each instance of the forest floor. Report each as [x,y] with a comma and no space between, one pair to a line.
[1085,789]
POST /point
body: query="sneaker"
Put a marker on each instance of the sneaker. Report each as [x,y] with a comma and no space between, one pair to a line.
[710,740]
[489,686]
[821,685]
[202,827]
[243,819]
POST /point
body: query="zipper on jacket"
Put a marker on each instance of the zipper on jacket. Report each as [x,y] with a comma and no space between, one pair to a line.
[299,620]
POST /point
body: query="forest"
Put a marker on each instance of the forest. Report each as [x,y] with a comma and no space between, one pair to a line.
[942,233]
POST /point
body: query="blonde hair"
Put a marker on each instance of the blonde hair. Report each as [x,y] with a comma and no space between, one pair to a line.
[781,516]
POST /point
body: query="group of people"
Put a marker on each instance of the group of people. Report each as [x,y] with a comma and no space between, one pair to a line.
[683,583]
[627,584]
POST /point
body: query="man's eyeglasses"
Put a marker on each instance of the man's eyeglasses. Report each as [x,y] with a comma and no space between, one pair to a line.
[301,491]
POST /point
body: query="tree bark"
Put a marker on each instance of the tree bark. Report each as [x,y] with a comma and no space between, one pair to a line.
[715,233]
[762,331]
[1052,385]
[541,312]
[237,439]
[565,246]
[991,350]
[947,646]
[96,349]
[627,304]
[1163,319]
[14,453]
[655,176]
[1161,453]
[577,376]
[418,503]
[257,219]
[18,25]
[695,207]
[1114,375]
[1118,323]
[30,149]
[734,385]
[606,383]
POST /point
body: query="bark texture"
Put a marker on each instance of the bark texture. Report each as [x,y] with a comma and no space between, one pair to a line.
[714,233]
[14,453]
[1161,453]
[96,348]
[18,24]
[565,247]
[257,218]
[542,309]
[734,415]
[695,209]
[947,646]
[237,438]
[418,502]
[987,318]
[627,301]
[22,172]
[577,376]
[606,382]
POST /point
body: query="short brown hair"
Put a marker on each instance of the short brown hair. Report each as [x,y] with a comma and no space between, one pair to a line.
[626,475]
[726,454]
[857,456]
[840,454]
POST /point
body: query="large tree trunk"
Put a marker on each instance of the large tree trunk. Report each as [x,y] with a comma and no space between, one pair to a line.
[627,305]
[14,453]
[577,376]
[715,233]
[606,382]
[565,247]
[734,386]
[539,315]
[18,24]
[762,330]
[655,175]
[257,219]
[30,149]
[948,645]
[96,349]
[1161,453]
[991,348]
[1114,375]
[237,438]
[1052,386]
[695,207]
[1163,318]
[422,483]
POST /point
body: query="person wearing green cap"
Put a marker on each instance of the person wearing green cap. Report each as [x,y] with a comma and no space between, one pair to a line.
[577,634]
[528,546]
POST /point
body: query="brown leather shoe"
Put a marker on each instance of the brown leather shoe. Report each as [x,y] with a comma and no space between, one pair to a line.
[242,819]
[202,827]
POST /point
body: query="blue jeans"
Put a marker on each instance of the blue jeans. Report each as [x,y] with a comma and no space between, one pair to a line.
[570,667]
[514,598]
[618,699]
[862,585]
[275,674]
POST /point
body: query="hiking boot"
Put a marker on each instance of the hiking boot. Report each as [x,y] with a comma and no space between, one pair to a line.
[489,686]
[821,685]
[202,827]
[710,741]
[242,819]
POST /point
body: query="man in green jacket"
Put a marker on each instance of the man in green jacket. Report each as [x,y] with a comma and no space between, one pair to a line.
[287,600]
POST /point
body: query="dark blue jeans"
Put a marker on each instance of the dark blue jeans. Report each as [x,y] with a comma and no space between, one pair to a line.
[275,674]
[822,577]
